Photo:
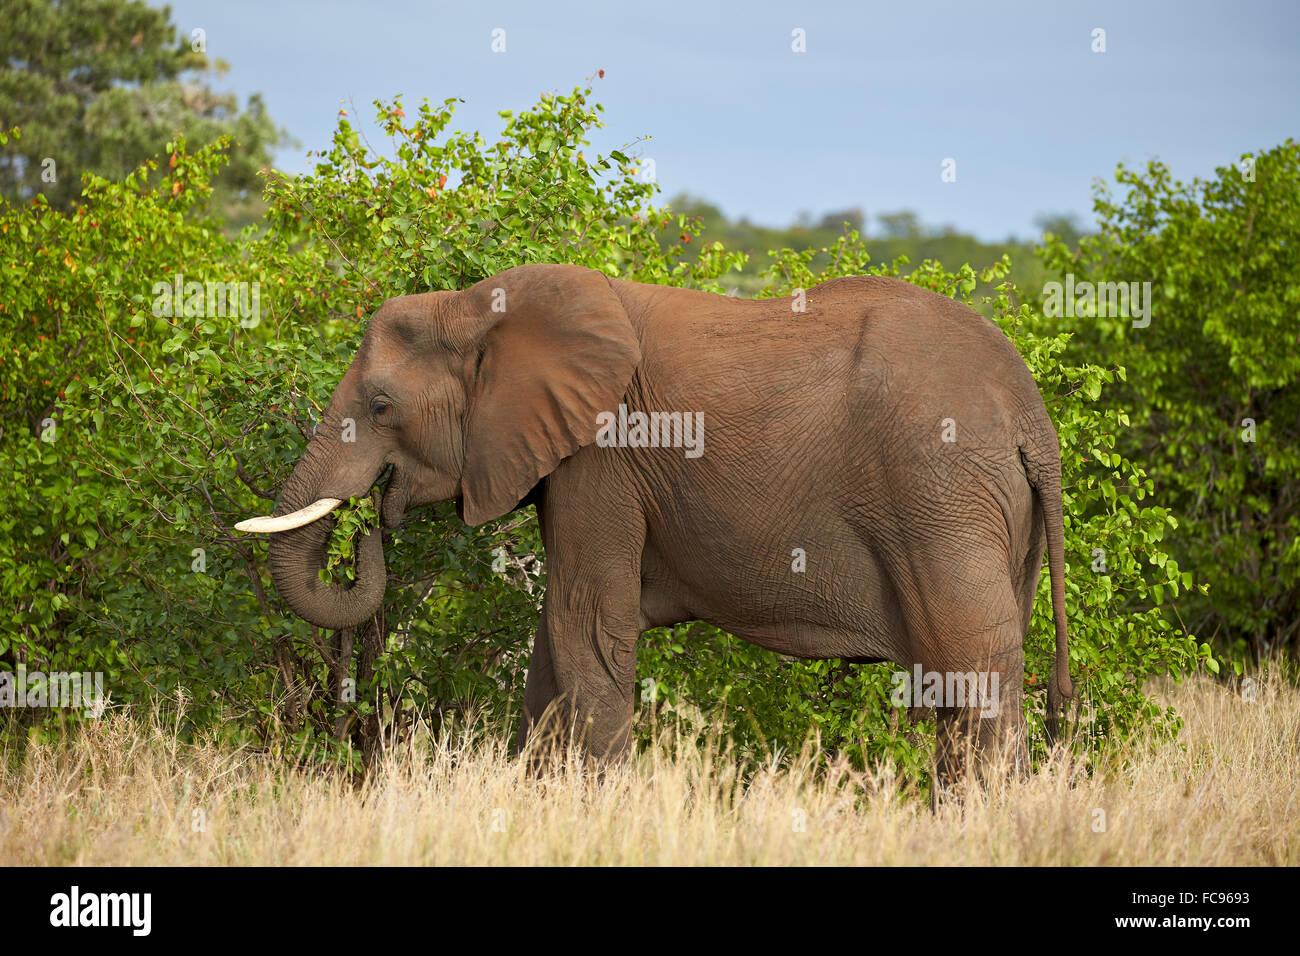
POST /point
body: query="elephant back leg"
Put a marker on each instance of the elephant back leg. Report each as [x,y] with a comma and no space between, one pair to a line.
[965,629]
[988,735]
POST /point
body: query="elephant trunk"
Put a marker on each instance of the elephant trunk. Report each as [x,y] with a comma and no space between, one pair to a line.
[296,556]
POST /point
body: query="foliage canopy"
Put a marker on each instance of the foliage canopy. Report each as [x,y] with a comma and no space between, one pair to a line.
[135,440]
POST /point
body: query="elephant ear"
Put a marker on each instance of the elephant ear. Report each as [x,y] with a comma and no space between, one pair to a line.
[559,349]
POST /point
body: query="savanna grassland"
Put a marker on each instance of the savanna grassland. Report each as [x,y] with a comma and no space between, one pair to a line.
[163,371]
[1227,792]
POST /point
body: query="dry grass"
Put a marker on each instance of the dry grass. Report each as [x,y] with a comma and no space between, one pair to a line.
[1226,794]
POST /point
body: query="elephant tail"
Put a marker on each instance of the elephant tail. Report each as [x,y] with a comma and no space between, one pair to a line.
[1042,461]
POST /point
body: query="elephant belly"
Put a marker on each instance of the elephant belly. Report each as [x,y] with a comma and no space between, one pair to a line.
[824,597]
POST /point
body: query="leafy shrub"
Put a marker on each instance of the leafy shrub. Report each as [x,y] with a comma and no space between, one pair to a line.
[116,544]
[1213,392]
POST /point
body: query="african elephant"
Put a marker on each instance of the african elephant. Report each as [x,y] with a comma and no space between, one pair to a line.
[863,471]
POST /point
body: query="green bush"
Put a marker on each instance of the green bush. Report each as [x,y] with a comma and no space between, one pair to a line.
[1213,387]
[117,552]
[137,435]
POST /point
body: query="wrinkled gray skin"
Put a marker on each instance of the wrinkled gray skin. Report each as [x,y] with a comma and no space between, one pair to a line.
[823,431]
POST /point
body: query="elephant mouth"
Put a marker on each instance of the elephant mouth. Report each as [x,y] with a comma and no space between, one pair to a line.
[396,496]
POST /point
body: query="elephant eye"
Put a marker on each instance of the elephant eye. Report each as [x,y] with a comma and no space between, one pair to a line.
[379,408]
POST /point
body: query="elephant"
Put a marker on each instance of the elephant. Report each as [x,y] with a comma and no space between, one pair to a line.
[863,470]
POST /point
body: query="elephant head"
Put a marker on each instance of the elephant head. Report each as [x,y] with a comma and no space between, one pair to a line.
[474,395]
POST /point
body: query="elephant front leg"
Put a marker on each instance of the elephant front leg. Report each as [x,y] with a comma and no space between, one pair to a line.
[540,699]
[590,702]
[579,688]
[584,660]
[593,640]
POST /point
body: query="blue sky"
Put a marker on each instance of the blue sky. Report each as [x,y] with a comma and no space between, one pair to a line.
[884,94]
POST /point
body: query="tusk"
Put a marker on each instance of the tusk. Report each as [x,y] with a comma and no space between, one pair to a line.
[303,516]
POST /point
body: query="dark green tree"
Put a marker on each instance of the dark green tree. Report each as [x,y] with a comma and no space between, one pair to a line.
[1063,225]
[97,85]
[1213,387]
